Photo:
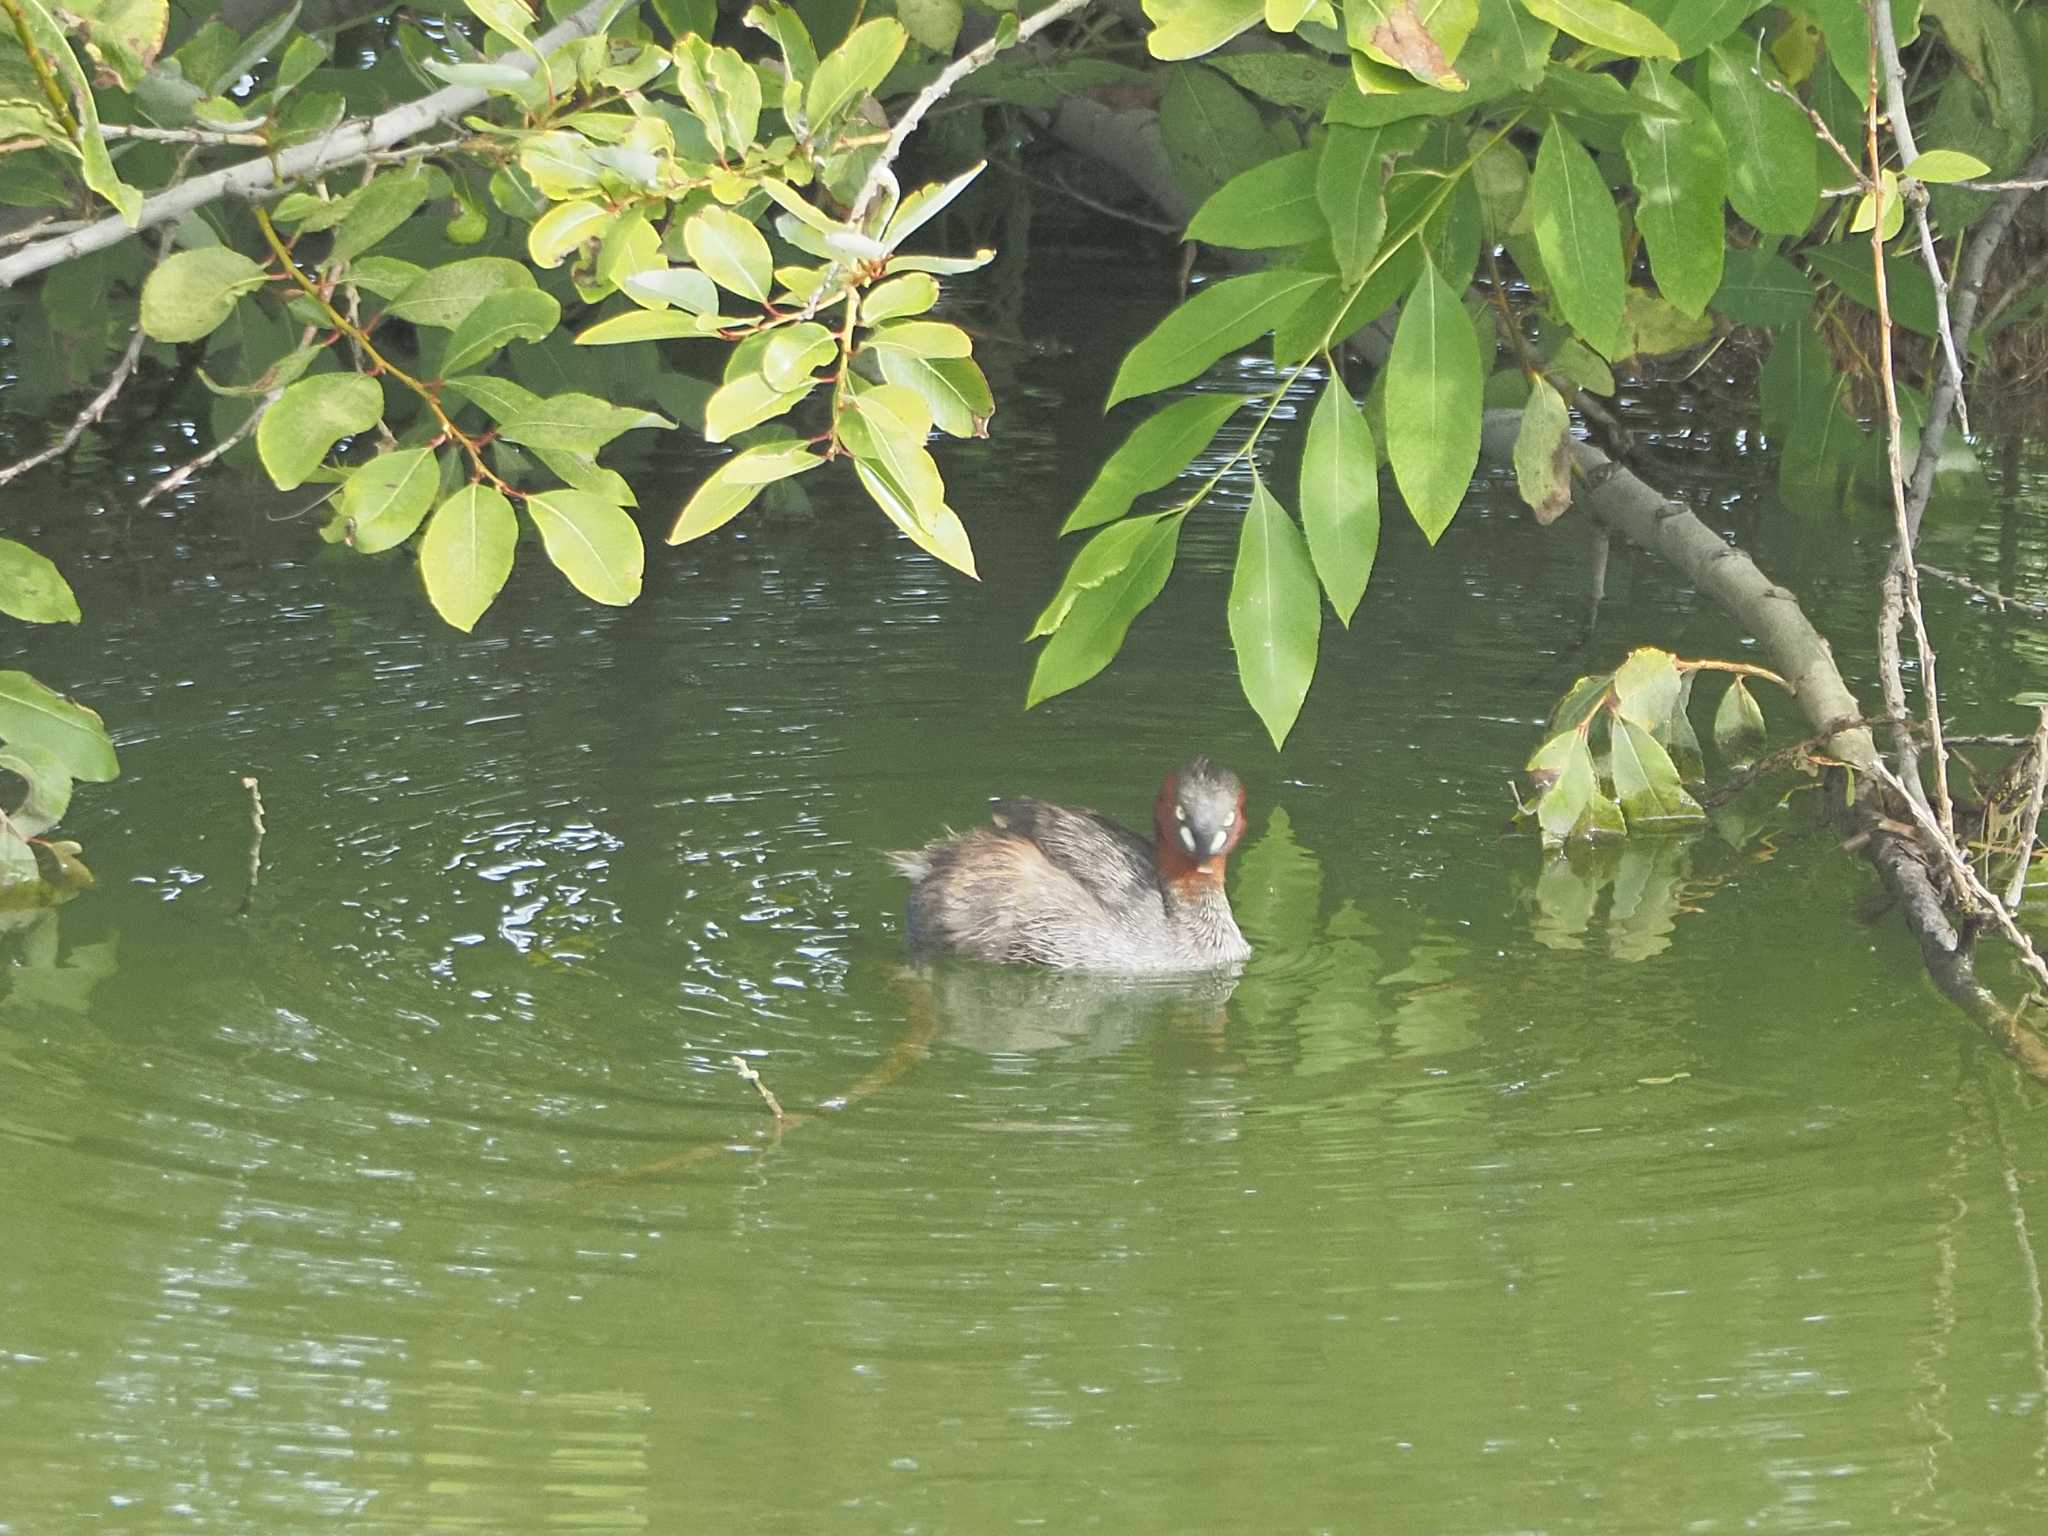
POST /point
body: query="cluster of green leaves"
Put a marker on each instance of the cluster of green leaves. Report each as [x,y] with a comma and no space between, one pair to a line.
[1648,172]
[1621,756]
[664,192]
[47,743]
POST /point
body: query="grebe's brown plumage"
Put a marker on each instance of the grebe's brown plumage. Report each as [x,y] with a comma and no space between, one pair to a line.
[1049,885]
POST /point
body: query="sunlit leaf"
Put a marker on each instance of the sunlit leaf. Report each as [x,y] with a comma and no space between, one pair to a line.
[853,69]
[1608,24]
[592,542]
[728,489]
[1340,497]
[1646,686]
[1434,381]
[189,293]
[384,501]
[1187,29]
[442,296]
[1223,317]
[34,716]
[1681,171]
[1945,165]
[1646,781]
[517,314]
[1543,452]
[1738,727]
[1276,616]
[32,589]
[1578,234]
[1273,203]
[1353,202]
[730,251]
[1094,629]
[310,418]
[1773,172]
[467,553]
[1154,455]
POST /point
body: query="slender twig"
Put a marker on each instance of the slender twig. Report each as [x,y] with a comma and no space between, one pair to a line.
[1999,600]
[255,842]
[193,466]
[1967,885]
[200,136]
[347,144]
[41,229]
[95,408]
[1903,578]
[1093,205]
[767,1097]
[1884,44]
[948,77]
[2030,820]
[1820,128]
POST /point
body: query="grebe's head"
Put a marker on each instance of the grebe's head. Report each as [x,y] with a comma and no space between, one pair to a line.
[1201,810]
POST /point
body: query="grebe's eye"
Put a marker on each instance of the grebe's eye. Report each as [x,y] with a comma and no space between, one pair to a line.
[1180,811]
[1230,818]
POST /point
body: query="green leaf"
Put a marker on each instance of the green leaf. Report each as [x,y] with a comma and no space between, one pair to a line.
[730,251]
[1434,380]
[467,553]
[795,353]
[1543,452]
[1695,24]
[1646,687]
[1276,615]
[32,589]
[1646,781]
[1154,455]
[190,293]
[1273,203]
[1340,497]
[498,398]
[933,23]
[1738,727]
[1773,173]
[33,716]
[1186,29]
[1417,37]
[565,227]
[727,490]
[517,314]
[1908,289]
[442,296]
[924,519]
[1094,628]
[1099,560]
[926,203]
[1607,24]
[97,166]
[383,502]
[642,325]
[1563,807]
[310,418]
[1211,131]
[1578,235]
[1760,287]
[920,338]
[898,297]
[592,542]
[1680,167]
[744,402]
[852,70]
[1945,165]
[508,18]
[1285,79]
[1352,198]
[580,423]
[953,388]
[379,208]
[48,795]
[1220,319]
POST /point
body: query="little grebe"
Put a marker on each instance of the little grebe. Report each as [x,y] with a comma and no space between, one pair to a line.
[1046,885]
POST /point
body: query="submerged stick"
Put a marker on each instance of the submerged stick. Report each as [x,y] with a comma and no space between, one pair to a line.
[255,843]
[767,1096]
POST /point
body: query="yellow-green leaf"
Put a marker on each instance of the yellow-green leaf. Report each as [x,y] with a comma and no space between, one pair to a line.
[310,418]
[592,542]
[467,553]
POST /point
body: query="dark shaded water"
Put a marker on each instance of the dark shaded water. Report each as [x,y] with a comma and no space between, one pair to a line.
[427,1196]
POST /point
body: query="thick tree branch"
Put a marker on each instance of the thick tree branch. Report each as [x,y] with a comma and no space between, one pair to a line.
[349,141]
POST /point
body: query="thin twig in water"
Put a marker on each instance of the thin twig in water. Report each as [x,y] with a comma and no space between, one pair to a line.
[255,842]
[767,1097]
[2030,820]
[191,467]
[94,410]
[1999,600]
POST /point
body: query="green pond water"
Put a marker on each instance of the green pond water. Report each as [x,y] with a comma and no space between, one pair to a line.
[1664,1195]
